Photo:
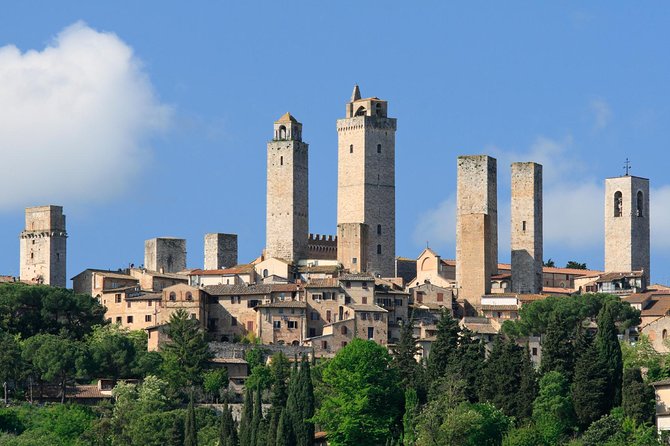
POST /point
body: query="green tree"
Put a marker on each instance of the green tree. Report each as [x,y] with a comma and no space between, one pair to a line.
[228,432]
[609,351]
[186,352]
[300,404]
[112,351]
[550,263]
[557,345]
[213,381]
[10,358]
[190,428]
[552,410]
[409,433]
[468,363]
[638,398]
[246,418]
[575,265]
[444,347]
[363,399]
[404,356]
[501,377]
[284,434]
[589,386]
[256,419]
[527,386]
[52,358]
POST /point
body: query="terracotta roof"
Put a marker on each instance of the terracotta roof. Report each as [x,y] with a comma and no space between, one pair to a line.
[108,273]
[238,269]
[501,276]
[500,307]
[659,306]
[286,117]
[638,298]
[284,304]
[608,277]
[323,283]
[359,276]
[545,269]
[551,290]
[319,269]
[146,296]
[263,288]
[367,307]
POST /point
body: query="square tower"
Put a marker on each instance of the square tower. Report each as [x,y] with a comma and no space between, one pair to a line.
[366,178]
[220,251]
[287,220]
[476,226]
[165,254]
[43,246]
[526,228]
[627,225]
[352,244]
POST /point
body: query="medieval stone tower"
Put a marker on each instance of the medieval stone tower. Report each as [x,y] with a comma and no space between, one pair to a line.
[526,240]
[627,225]
[220,250]
[476,226]
[366,183]
[43,246]
[287,221]
[165,254]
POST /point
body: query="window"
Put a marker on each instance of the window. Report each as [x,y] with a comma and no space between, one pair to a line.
[328,315]
[351,148]
[117,298]
[665,334]
[347,284]
[640,203]
[129,304]
[173,296]
[354,260]
[280,311]
[281,160]
[314,316]
[129,319]
[252,303]
[118,319]
[292,324]
[364,316]
[364,300]
[147,318]
[618,204]
[312,332]
[189,296]
[212,324]
[266,273]
[194,316]
[276,325]
[371,332]
[364,285]
[149,303]
[343,330]
[398,302]
[317,296]
[344,344]
[379,229]
[233,321]
[523,225]
[379,148]
[534,351]
[324,345]
[378,316]
[379,249]
[440,297]
[282,132]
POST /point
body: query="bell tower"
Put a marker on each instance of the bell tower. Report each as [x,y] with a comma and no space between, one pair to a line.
[287,224]
[366,181]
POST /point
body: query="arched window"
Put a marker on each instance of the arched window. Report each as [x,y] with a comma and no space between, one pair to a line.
[379,249]
[173,296]
[282,132]
[360,111]
[265,273]
[351,148]
[379,229]
[665,334]
[618,204]
[640,204]
[379,148]
[378,109]
[189,296]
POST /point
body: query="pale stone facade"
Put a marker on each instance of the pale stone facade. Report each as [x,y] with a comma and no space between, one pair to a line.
[184,297]
[43,246]
[526,227]
[131,308]
[476,226]
[220,251]
[287,222]
[96,281]
[366,177]
[352,246]
[282,322]
[165,254]
[627,243]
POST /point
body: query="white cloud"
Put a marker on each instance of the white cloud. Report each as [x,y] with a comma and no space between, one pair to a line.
[660,217]
[601,113]
[74,119]
[437,226]
[573,215]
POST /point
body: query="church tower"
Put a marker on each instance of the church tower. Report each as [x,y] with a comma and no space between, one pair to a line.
[366,182]
[627,225]
[43,246]
[287,224]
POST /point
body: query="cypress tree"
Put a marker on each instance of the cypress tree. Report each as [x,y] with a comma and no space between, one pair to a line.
[638,398]
[245,421]
[256,419]
[190,429]
[300,405]
[228,434]
[589,386]
[444,347]
[502,376]
[527,386]
[468,363]
[273,424]
[409,418]
[557,346]
[283,430]
[404,356]
[609,350]
[280,368]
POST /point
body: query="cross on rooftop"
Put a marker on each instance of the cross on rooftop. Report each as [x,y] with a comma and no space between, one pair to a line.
[626,166]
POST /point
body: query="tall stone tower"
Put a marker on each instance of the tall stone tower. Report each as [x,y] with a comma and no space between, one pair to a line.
[166,254]
[476,226]
[526,240]
[43,246]
[287,221]
[627,225]
[220,250]
[366,180]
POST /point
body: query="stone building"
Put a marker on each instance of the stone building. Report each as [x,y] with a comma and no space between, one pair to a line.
[165,254]
[43,246]
[220,251]
[526,227]
[476,226]
[287,221]
[627,243]
[95,282]
[193,301]
[131,307]
[282,322]
[366,181]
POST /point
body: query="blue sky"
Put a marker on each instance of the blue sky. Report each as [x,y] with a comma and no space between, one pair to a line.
[159,127]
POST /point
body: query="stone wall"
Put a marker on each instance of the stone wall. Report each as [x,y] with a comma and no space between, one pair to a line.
[322,247]
[43,246]
[526,228]
[220,251]
[165,254]
[352,246]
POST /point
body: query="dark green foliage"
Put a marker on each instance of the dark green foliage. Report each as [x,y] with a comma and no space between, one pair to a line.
[228,431]
[502,377]
[550,263]
[214,381]
[404,354]
[575,265]
[552,410]
[638,398]
[527,386]
[557,345]
[601,430]
[526,435]
[62,423]
[609,351]
[444,347]
[468,363]
[363,400]
[284,430]
[10,357]
[300,404]
[409,419]
[28,310]
[589,386]
[256,419]
[113,353]
[190,428]
[246,418]
[186,352]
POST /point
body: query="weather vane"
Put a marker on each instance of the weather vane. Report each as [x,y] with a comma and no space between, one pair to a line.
[626,166]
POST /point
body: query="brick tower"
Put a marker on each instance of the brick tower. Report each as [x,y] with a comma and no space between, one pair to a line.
[476,226]
[526,228]
[43,246]
[287,221]
[366,181]
[627,225]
